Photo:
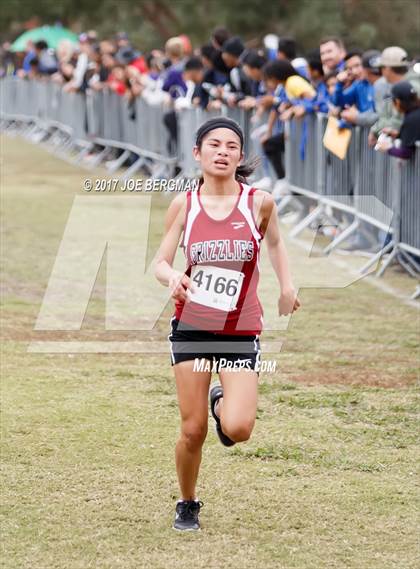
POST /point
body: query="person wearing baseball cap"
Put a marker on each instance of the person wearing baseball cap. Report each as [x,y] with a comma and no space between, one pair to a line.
[393,56]
[395,67]
[404,93]
[370,63]
[406,102]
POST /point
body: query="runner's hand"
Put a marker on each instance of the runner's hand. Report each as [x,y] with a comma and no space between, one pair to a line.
[179,283]
[288,302]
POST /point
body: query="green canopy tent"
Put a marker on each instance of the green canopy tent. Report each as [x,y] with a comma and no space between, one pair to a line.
[51,34]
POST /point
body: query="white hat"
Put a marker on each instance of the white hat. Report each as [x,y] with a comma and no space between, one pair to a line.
[393,57]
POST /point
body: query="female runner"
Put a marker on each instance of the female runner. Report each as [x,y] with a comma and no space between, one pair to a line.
[218,317]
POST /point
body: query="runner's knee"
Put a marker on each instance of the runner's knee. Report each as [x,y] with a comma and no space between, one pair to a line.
[238,432]
[194,434]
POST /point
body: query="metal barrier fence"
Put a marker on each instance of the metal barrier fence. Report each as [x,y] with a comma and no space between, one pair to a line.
[373,187]
[107,119]
[410,203]
[309,166]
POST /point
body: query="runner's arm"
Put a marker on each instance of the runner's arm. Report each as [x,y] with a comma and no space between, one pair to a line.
[275,244]
[164,272]
[269,227]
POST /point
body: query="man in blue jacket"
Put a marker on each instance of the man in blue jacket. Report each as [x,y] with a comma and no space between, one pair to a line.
[352,89]
[372,74]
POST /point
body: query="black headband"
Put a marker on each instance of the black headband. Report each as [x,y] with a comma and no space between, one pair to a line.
[219,122]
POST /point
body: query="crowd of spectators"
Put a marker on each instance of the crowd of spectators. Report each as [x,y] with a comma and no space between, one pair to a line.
[374,89]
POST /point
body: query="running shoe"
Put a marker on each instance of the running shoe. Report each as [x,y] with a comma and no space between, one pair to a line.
[216,392]
[186,515]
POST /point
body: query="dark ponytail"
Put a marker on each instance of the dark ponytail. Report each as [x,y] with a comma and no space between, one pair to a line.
[246,169]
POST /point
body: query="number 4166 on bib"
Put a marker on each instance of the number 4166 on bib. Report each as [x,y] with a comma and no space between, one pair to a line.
[216,287]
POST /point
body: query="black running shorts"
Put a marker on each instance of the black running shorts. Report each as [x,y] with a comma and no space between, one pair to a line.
[233,352]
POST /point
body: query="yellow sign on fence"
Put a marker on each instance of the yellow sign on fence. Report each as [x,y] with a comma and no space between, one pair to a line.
[336,140]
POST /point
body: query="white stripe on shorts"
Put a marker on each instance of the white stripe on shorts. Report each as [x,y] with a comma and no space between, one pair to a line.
[170,343]
[258,358]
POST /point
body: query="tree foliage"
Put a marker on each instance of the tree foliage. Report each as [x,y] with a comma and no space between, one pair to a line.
[363,23]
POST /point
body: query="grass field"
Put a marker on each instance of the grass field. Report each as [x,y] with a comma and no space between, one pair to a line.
[328,479]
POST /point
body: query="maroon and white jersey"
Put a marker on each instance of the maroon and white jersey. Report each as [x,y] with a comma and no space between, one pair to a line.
[223,261]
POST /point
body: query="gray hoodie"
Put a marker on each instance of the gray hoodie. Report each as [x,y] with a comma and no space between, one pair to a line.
[389,116]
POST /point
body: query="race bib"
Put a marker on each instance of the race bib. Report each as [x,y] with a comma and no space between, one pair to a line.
[216,287]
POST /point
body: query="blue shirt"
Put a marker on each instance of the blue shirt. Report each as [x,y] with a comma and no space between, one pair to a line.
[359,93]
[258,89]
[174,84]
[26,65]
[341,66]
[319,104]
[279,98]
